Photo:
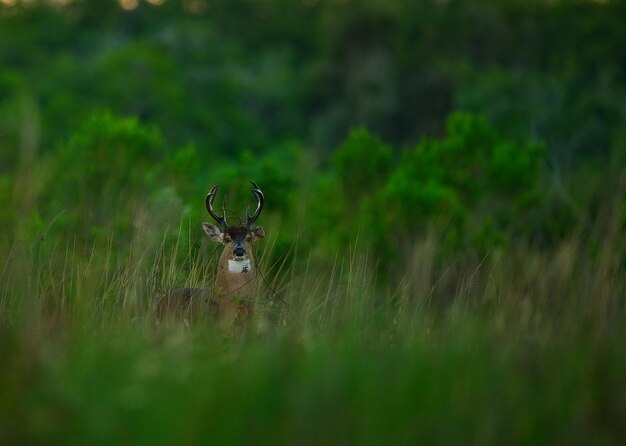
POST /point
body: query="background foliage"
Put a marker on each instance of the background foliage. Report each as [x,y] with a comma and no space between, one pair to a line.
[445,216]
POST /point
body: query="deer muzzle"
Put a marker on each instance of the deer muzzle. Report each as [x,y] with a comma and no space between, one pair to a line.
[239,252]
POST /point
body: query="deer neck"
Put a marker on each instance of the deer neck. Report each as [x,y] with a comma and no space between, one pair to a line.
[235,277]
[230,266]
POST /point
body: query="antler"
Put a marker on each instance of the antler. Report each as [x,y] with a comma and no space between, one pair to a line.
[221,220]
[259,207]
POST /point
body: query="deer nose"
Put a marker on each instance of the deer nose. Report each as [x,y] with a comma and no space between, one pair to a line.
[239,251]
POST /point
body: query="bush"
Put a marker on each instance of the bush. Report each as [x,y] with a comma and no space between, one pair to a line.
[104,170]
[362,163]
[470,180]
[472,188]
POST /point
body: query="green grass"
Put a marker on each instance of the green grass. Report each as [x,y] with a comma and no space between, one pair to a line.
[521,347]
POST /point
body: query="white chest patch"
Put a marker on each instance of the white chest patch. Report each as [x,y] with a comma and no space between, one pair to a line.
[239,266]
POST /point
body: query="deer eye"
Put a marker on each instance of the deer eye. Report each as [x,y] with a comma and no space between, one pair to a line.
[248,238]
[227,239]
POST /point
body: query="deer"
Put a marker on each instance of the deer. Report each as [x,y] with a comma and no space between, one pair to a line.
[231,300]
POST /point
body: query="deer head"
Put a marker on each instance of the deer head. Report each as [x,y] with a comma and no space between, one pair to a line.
[237,239]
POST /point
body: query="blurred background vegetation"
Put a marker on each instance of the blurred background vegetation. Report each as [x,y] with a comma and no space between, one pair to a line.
[408,113]
[469,153]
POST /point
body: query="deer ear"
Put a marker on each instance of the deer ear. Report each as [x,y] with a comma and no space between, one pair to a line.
[258,233]
[213,232]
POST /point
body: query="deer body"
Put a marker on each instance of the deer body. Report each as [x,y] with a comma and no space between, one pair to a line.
[236,285]
[231,300]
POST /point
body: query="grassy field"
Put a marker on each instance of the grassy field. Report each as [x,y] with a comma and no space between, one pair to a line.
[445,210]
[520,347]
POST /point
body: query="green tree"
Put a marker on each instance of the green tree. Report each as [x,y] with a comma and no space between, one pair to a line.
[102,171]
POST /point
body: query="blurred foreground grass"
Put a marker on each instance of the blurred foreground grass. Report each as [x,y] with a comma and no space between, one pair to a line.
[522,347]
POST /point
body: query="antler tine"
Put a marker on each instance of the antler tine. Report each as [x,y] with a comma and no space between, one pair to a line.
[221,220]
[259,207]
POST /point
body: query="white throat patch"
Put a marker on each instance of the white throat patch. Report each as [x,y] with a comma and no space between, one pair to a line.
[239,266]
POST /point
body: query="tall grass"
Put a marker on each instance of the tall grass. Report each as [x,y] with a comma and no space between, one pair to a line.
[522,346]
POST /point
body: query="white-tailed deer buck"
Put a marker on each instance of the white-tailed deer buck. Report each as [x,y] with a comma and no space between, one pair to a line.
[232,298]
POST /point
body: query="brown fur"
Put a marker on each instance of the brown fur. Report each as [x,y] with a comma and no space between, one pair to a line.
[232,298]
